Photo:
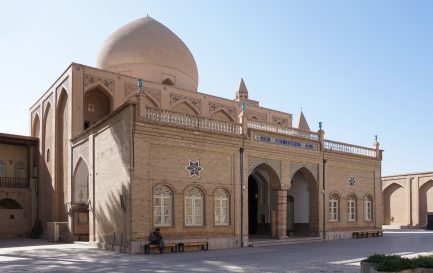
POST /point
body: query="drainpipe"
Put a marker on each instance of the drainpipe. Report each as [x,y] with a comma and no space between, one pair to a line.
[323,199]
[244,131]
[321,133]
[241,154]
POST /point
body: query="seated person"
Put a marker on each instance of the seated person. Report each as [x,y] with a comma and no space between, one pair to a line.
[156,239]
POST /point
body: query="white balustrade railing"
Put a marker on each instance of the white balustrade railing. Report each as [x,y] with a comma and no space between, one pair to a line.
[191,121]
[282,130]
[347,148]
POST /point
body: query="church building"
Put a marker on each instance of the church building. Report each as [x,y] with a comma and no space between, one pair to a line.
[131,145]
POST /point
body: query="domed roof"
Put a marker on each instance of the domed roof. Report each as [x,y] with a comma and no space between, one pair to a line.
[147,49]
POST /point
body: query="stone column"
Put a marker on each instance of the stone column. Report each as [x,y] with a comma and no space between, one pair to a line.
[414,185]
[376,146]
[281,214]
[321,139]
[92,205]
[244,122]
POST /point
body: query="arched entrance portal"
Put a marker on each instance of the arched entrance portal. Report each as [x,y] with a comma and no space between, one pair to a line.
[263,183]
[80,201]
[303,205]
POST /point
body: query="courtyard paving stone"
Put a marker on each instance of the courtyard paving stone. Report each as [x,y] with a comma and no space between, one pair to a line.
[343,256]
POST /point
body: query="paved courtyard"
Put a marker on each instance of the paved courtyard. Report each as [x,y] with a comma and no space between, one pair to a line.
[26,255]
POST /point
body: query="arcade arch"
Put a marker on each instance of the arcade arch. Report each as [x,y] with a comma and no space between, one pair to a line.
[425,201]
[303,205]
[263,184]
[393,206]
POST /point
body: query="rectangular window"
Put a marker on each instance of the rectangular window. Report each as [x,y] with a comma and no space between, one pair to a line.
[333,210]
[221,212]
[351,212]
[162,210]
[193,211]
[367,210]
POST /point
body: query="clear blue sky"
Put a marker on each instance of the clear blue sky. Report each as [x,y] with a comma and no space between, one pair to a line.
[360,67]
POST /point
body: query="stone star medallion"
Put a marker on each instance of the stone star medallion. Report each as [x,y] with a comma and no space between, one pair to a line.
[352,181]
[194,168]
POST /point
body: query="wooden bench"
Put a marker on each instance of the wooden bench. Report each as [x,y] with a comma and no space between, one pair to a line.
[148,247]
[367,233]
[203,245]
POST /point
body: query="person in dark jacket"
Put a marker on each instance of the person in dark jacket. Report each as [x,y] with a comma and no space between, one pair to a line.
[156,239]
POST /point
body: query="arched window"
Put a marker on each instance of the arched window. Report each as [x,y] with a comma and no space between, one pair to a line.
[351,208]
[334,207]
[193,207]
[221,202]
[2,169]
[8,203]
[20,170]
[162,206]
[368,201]
[97,104]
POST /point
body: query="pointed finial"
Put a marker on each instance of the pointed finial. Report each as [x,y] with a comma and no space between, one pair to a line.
[375,138]
[320,125]
[147,12]
[303,124]
[301,108]
[242,92]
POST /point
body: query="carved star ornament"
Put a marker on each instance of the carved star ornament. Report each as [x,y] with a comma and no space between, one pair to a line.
[194,168]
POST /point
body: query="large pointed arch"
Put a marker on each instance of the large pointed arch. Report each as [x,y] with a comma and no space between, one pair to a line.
[62,154]
[263,188]
[425,201]
[394,210]
[304,190]
[80,182]
[46,133]
[97,103]
[36,125]
[254,162]
[46,165]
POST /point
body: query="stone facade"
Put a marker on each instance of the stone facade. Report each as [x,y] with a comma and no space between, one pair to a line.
[18,195]
[407,199]
[121,156]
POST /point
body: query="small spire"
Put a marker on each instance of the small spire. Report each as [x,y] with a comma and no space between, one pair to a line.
[242,92]
[303,124]
[147,12]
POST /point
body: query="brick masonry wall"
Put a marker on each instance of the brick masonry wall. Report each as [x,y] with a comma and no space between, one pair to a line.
[163,161]
[17,222]
[112,155]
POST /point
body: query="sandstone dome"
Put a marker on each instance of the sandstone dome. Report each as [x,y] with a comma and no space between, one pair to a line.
[147,49]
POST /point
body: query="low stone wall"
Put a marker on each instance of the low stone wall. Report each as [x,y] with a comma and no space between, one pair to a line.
[338,235]
[214,243]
